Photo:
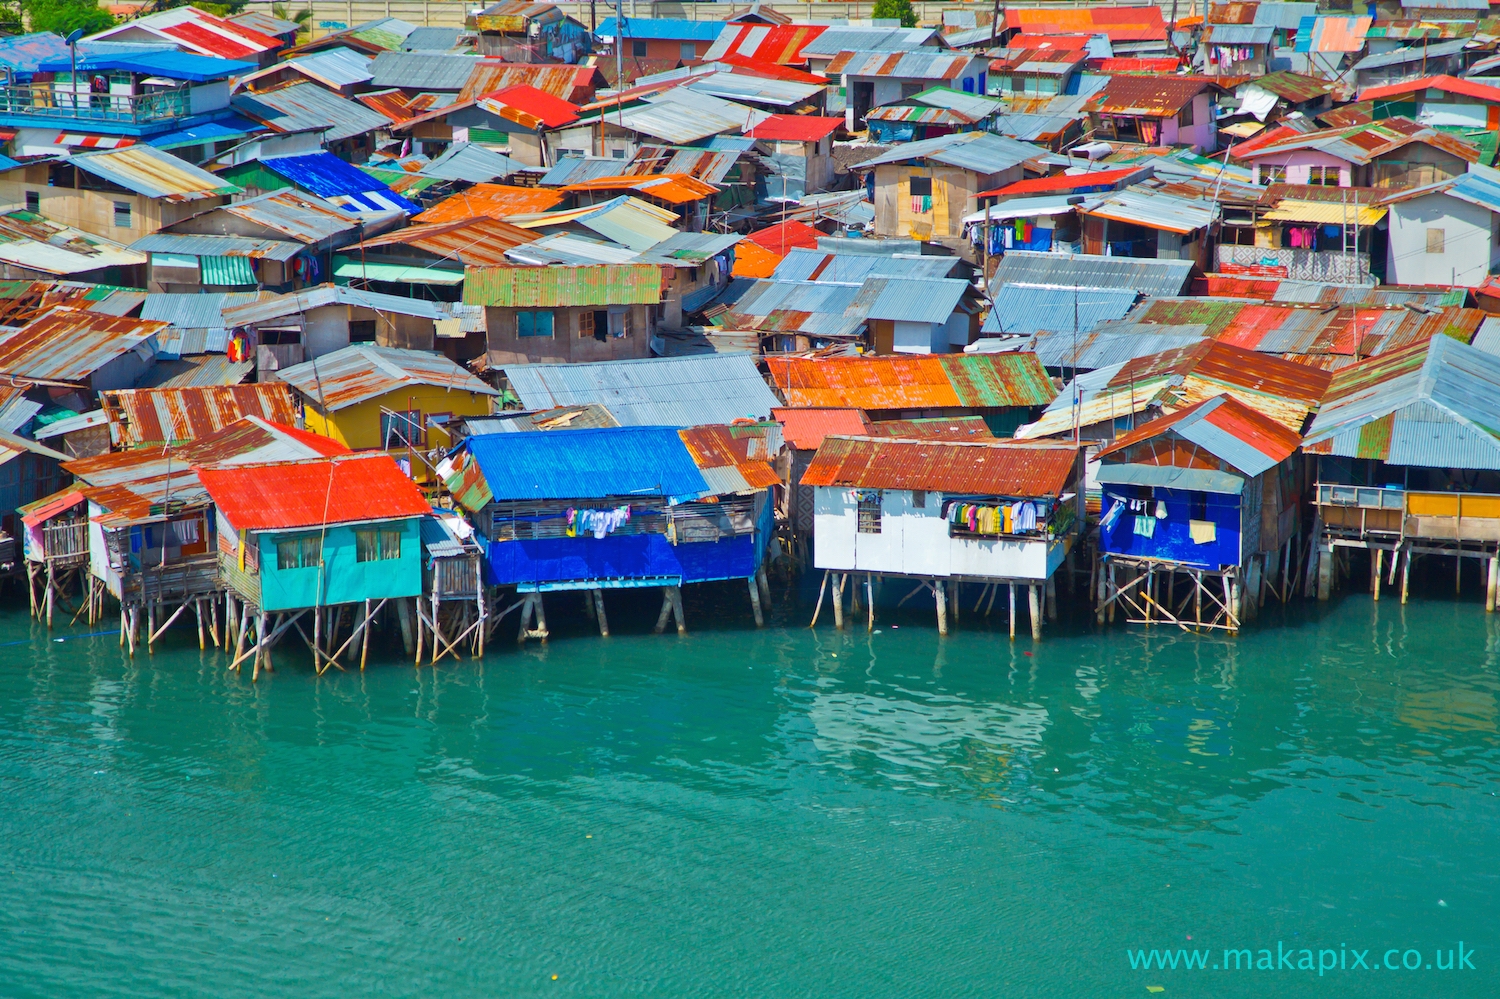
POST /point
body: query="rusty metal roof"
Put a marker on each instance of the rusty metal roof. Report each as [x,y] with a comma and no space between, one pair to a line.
[745,448]
[349,489]
[676,189]
[475,241]
[994,468]
[303,217]
[161,416]
[979,381]
[532,287]
[364,371]
[1150,96]
[69,345]
[154,173]
[1249,441]
[934,428]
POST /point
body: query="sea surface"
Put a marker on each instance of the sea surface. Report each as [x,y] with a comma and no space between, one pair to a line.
[776,813]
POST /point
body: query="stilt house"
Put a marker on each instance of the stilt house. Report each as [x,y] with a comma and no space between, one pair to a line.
[945,513]
[1200,516]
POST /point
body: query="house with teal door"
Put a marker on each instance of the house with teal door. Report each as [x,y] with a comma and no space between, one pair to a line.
[336,540]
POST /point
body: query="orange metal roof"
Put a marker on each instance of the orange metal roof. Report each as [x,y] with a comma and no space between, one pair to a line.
[995,468]
[1155,96]
[1446,84]
[906,382]
[141,417]
[1272,439]
[69,345]
[1121,24]
[674,188]
[280,495]
[744,449]
[496,201]
[805,428]
[940,428]
[754,261]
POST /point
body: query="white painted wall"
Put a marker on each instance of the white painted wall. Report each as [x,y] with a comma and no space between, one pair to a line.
[914,541]
[1469,242]
[919,338]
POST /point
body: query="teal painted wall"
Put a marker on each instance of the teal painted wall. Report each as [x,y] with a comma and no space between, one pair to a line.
[344,579]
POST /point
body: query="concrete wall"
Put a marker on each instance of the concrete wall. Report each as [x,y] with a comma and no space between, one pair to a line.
[1471,249]
[567,343]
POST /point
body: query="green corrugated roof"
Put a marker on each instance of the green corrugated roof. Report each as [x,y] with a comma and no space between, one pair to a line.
[551,287]
[347,268]
[1216,315]
[985,380]
[231,271]
[1375,438]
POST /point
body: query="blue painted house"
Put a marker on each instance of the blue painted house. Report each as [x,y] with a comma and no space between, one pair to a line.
[619,507]
[1199,515]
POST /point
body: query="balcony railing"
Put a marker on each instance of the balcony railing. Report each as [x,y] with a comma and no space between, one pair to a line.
[1411,513]
[1363,497]
[42,101]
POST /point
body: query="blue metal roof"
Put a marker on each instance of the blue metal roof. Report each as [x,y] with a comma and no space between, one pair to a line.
[25,53]
[233,127]
[327,176]
[1023,309]
[173,65]
[1480,187]
[588,464]
[671,29]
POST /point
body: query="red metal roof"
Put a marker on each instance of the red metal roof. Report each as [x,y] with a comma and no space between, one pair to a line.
[770,70]
[1265,435]
[1154,96]
[1447,84]
[213,43]
[804,429]
[795,128]
[740,447]
[1062,182]
[780,238]
[283,495]
[1122,65]
[781,43]
[999,468]
[1239,286]
[544,108]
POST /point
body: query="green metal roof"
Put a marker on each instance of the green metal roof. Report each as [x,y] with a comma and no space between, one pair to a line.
[1016,379]
[547,287]
[346,268]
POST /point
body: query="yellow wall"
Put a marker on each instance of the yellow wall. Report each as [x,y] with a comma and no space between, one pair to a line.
[358,426]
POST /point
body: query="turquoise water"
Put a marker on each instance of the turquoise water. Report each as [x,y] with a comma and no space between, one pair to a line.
[773,813]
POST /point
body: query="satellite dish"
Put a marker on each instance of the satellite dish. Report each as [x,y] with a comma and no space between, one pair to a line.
[76,34]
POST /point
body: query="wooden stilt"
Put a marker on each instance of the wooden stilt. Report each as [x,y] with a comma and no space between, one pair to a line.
[527,608]
[994,590]
[1012,612]
[364,645]
[1325,573]
[1491,582]
[760,621]
[1036,612]
[676,594]
[764,582]
[598,602]
[260,645]
[239,634]
[130,631]
[840,579]
[1051,594]
[1405,573]
[1377,562]
[213,621]
[666,609]
[404,619]
[955,598]
[1114,587]
[588,603]
[1458,574]
[1099,597]
[51,591]
[817,608]
[870,600]
[198,610]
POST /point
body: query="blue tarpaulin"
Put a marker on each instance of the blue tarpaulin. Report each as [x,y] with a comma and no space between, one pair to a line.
[625,556]
[324,174]
[172,65]
[224,129]
[588,464]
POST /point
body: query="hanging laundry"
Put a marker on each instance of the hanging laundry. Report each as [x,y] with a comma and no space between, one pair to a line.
[1107,522]
[1145,526]
[1161,510]
[1202,531]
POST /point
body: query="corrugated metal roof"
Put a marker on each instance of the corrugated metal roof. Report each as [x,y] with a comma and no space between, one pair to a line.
[69,345]
[1324,33]
[363,371]
[422,70]
[1441,397]
[709,166]
[917,301]
[345,490]
[531,287]
[39,244]
[588,464]
[213,369]
[696,247]
[1238,34]
[157,417]
[348,187]
[804,428]
[981,152]
[194,310]
[669,391]
[935,381]
[756,89]
[999,468]
[1411,53]
[936,428]
[680,116]
[470,162]
[586,417]
[1022,309]
[1226,428]
[1110,343]
[305,218]
[667,28]
[780,43]
[474,242]
[869,38]
[1069,270]
[795,128]
[217,246]
[1154,209]
[431,39]
[914,64]
[305,106]
[1152,96]
[1120,24]
[152,172]
[338,67]
[677,189]
[830,267]
[297,302]
[744,449]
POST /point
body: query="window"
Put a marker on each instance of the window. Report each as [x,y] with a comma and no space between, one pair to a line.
[688,51]
[585,325]
[361,331]
[638,49]
[376,545]
[33,201]
[868,506]
[122,215]
[534,323]
[618,154]
[1185,116]
[1325,176]
[919,498]
[921,187]
[398,430]
[299,551]
[1272,175]
[1436,240]
[594,323]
